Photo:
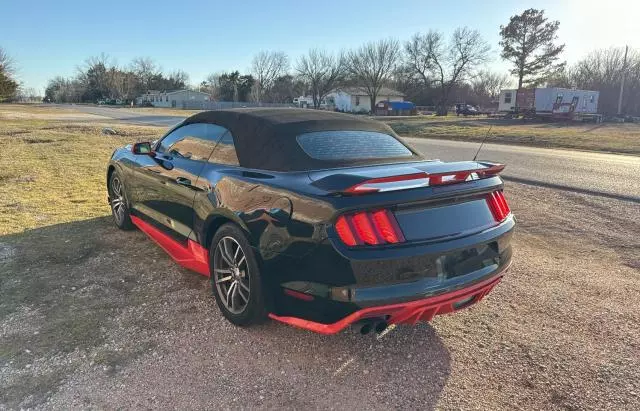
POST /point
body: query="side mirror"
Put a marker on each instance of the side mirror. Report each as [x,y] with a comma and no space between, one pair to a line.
[142,148]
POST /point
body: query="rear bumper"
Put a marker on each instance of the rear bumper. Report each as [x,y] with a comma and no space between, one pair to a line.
[409,312]
[333,288]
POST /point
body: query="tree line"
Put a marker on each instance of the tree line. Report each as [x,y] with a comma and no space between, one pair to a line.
[8,85]
[101,79]
[431,69]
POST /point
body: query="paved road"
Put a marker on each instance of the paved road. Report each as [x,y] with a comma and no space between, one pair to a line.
[604,175]
[128,116]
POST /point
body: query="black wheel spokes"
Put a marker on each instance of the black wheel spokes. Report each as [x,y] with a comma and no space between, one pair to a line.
[231,275]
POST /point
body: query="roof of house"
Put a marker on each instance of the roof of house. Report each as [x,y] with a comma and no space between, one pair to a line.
[361,91]
[173,91]
[183,90]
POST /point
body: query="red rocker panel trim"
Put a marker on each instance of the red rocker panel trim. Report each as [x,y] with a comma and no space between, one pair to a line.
[193,257]
[403,313]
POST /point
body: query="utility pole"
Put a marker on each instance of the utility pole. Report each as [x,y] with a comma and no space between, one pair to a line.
[624,74]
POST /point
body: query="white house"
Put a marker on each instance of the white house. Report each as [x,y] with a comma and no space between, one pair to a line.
[176,98]
[356,99]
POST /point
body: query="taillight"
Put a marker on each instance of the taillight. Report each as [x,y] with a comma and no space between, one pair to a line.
[387,226]
[344,231]
[369,227]
[498,206]
[364,228]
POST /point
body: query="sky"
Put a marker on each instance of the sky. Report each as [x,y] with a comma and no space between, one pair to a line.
[50,38]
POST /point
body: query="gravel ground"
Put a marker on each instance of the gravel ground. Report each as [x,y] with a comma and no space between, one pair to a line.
[91,317]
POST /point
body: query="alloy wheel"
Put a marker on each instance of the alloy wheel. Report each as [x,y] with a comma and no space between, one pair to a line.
[231,275]
[117,200]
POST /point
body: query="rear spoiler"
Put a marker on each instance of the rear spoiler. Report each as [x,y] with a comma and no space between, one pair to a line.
[350,184]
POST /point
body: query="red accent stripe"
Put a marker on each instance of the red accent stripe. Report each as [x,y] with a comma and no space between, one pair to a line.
[193,257]
[491,171]
[403,313]
[298,295]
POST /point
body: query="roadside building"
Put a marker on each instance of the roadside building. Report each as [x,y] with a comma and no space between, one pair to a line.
[175,99]
[356,99]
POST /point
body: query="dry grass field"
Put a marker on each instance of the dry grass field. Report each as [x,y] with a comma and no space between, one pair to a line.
[607,137]
[53,171]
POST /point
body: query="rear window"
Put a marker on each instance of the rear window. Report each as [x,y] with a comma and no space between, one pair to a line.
[351,145]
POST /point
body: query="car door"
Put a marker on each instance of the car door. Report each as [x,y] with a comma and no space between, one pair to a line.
[222,158]
[167,183]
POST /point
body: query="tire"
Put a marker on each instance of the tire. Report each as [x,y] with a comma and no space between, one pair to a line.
[118,202]
[244,303]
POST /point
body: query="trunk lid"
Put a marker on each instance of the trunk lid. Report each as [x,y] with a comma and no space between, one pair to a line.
[429,200]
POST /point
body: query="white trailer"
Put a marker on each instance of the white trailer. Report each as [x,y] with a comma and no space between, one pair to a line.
[548,100]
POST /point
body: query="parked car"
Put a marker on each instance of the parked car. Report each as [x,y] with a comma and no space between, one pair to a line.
[467,110]
[316,219]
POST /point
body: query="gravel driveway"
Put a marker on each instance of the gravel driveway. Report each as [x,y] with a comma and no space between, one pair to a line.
[91,317]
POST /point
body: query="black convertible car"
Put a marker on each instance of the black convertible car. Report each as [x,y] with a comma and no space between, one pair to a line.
[319,220]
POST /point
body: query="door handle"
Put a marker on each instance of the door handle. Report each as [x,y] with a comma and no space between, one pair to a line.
[184,182]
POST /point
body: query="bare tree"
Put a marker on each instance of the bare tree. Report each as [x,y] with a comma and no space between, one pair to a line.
[447,65]
[560,77]
[418,61]
[179,77]
[8,85]
[7,64]
[95,77]
[266,67]
[322,72]
[122,84]
[486,85]
[372,65]
[61,90]
[602,70]
[211,85]
[145,69]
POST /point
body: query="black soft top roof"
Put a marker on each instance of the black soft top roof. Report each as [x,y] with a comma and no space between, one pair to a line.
[265,138]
